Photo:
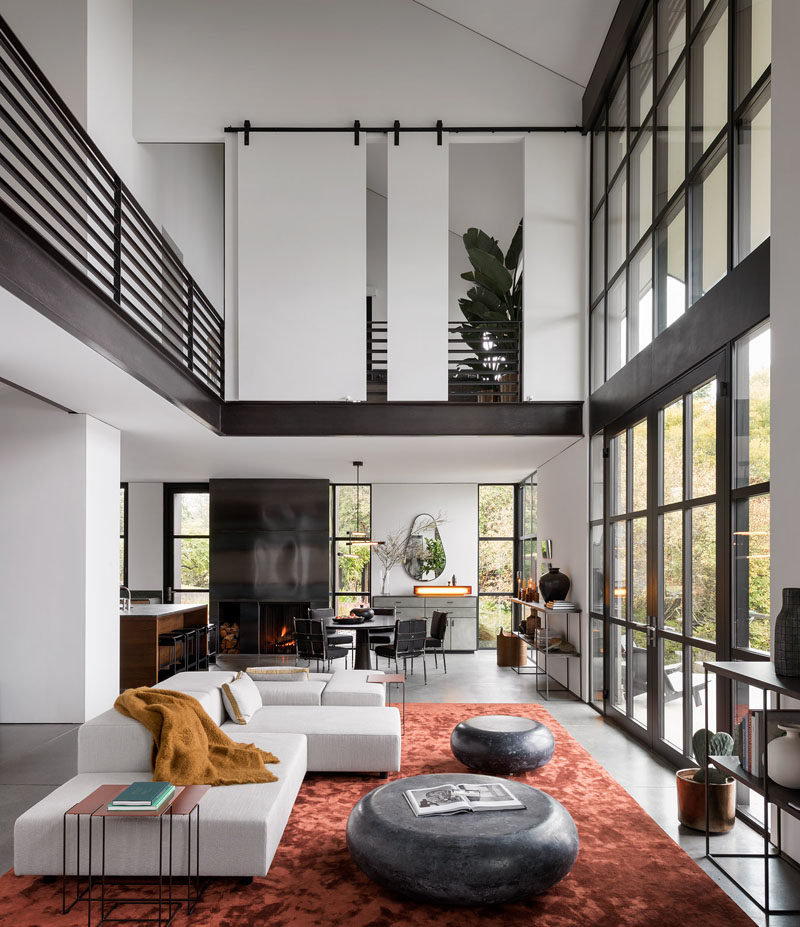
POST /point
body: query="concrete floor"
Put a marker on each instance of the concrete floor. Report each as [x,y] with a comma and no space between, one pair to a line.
[34,758]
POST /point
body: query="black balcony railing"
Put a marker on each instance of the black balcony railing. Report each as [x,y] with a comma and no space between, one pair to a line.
[57,180]
[484,361]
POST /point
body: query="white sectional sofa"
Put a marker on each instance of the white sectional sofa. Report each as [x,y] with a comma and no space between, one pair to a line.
[328,723]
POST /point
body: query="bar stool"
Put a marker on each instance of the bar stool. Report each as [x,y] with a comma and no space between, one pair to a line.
[192,648]
[206,640]
[171,639]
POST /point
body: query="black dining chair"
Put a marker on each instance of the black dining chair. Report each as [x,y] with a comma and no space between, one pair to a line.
[434,643]
[335,638]
[409,642]
[382,637]
[312,642]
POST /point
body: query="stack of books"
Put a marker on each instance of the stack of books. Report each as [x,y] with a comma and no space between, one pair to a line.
[545,641]
[143,796]
[562,605]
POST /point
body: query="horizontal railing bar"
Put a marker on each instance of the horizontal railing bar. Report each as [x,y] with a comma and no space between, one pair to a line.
[150,252]
[84,186]
[153,284]
[26,64]
[152,307]
[83,154]
[50,231]
[130,247]
[56,193]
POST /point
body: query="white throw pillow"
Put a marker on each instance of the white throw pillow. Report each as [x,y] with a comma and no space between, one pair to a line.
[241,698]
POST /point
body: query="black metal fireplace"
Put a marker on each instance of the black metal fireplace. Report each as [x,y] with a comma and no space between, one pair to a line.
[264,627]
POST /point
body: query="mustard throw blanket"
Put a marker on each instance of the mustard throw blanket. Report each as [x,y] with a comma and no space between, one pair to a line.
[188,748]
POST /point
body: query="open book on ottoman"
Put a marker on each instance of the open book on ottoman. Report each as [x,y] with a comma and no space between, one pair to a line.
[452,799]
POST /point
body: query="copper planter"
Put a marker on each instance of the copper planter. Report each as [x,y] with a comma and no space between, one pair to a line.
[692,803]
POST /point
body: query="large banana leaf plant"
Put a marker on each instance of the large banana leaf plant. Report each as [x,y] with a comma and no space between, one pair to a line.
[492,308]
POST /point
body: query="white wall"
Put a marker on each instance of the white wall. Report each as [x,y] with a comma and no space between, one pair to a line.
[302,270]
[394,507]
[146,535]
[59,562]
[190,205]
[109,104]
[417,271]
[555,232]
[563,507]
[785,376]
[201,65]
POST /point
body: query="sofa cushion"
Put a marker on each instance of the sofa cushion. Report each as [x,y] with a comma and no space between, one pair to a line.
[282,693]
[241,698]
[240,825]
[350,687]
[340,738]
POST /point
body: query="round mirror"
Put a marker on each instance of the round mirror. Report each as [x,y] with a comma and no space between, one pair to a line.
[425,557]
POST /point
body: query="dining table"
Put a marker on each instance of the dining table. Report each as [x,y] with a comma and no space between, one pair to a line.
[363,654]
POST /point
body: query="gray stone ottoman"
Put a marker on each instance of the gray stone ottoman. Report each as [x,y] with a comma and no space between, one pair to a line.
[487,857]
[502,744]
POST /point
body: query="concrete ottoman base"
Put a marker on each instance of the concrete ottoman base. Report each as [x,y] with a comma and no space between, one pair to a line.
[482,858]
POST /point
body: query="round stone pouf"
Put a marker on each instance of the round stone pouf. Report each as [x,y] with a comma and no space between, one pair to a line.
[502,744]
[486,857]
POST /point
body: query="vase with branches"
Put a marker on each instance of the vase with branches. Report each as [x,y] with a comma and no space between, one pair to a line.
[390,553]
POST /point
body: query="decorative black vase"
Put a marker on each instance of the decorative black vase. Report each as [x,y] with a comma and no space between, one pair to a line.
[554,585]
[365,613]
[787,635]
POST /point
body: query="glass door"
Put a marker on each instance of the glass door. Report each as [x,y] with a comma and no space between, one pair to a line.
[664,523]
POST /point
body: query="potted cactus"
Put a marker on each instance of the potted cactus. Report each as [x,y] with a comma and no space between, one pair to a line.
[721,788]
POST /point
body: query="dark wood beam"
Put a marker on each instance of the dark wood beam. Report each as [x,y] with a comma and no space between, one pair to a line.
[35,272]
[402,418]
[732,307]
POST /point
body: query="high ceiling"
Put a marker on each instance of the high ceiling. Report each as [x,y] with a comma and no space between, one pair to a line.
[564,36]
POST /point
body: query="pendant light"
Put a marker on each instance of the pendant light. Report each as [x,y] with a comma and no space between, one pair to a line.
[359,537]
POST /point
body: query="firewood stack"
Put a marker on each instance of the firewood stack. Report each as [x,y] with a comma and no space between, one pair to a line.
[229,637]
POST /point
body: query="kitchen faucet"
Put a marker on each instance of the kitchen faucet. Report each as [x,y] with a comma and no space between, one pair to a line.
[123,606]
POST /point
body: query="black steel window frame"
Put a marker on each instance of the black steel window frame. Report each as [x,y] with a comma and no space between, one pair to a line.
[594,614]
[723,145]
[170,491]
[336,538]
[124,533]
[490,537]
[740,494]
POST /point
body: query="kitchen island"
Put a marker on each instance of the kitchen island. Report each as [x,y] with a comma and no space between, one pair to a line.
[138,639]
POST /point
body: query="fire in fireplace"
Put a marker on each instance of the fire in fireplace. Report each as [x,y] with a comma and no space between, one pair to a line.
[258,627]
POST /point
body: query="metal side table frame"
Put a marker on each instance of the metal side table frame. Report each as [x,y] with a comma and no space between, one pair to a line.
[184,803]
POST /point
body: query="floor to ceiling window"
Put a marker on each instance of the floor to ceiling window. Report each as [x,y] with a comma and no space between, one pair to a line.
[496,538]
[680,186]
[186,549]
[351,557]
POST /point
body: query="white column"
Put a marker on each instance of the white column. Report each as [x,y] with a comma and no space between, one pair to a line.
[302,267]
[417,267]
[554,251]
[785,319]
[59,562]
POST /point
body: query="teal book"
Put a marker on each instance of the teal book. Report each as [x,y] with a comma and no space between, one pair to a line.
[151,807]
[142,794]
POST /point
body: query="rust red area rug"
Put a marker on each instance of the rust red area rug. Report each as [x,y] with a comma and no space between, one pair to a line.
[628,873]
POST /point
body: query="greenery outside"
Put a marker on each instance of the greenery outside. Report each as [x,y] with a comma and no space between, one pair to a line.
[495,561]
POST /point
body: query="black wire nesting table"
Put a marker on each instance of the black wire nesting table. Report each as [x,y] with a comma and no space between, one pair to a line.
[185,804]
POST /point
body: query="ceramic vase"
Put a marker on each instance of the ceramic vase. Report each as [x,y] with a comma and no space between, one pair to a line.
[554,584]
[783,757]
[787,635]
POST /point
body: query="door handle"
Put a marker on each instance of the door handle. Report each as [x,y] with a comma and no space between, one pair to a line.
[651,635]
